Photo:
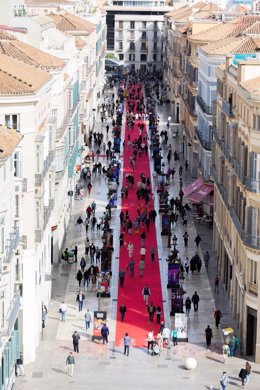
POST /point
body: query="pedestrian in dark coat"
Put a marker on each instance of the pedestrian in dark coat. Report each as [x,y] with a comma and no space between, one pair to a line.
[209,334]
[195,300]
[79,276]
[105,333]
[75,340]
[198,240]
[122,311]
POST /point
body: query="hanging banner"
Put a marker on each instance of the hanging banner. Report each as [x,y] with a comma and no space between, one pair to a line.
[99,320]
[181,325]
[173,275]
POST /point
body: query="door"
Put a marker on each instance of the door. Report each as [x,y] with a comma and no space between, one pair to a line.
[251,331]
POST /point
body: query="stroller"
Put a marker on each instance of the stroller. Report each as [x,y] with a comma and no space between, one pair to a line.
[155,349]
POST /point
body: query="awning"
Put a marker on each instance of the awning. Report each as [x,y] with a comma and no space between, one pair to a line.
[193,186]
[201,193]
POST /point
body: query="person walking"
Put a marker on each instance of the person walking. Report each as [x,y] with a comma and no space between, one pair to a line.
[19,366]
[150,341]
[122,311]
[187,265]
[121,277]
[63,311]
[217,316]
[131,268]
[79,276]
[188,305]
[242,375]
[130,249]
[198,240]
[141,267]
[195,300]
[153,253]
[143,253]
[185,238]
[224,380]
[206,259]
[80,223]
[248,372]
[216,284]
[80,299]
[158,314]
[225,352]
[70,363]
[166,337]
[82,264]
[87,319]
[127,341]
[75,340]
[209,335]
[105,333]
[75,250]
[146,294]
[151,310]
[174,337]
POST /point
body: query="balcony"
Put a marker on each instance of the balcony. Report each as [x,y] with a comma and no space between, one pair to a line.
[236,221]
[12,244]
[252,185]
[205,144]
[38,235]
[39,177]
[13,313]
[192,83]
[206,109]
[253,288]
[227,109]
[251,240]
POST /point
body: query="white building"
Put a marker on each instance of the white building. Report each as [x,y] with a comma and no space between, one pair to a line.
[135,33]
[10,261]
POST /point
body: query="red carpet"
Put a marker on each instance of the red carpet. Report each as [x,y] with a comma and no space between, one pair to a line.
[136,318]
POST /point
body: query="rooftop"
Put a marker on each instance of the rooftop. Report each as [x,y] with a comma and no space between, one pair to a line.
[70,23]
[225,30]
[198,10]
[18,78]
[9,139]
[242,44]
[252,86]
[49,2]
[28,54]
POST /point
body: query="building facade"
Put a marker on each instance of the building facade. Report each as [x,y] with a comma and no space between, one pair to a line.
[236,172]
[11,187]
[135,35]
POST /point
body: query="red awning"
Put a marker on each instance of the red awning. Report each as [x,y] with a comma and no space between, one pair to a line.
[193,186]
[201,193]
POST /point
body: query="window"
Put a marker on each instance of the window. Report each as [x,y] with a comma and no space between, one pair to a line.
[253,272]
[144,35]
[132,46]
[143,24]
[143,57]
[70,103]
[154,57]
[131,57]
[121,24]
[2,235]
[17,166]
[143,46]
[121,57]
[12,121]
[155,35]
[256,122]
[132,25]
[120,45]
[155,46]
[155,25]
[37,215]
[17,206]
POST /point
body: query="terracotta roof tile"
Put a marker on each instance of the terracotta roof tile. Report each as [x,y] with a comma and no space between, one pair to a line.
[30,55]
[254,29]
[231,45]
[70,23]
[252,86]
[9,139]
[18,78]
[6,36]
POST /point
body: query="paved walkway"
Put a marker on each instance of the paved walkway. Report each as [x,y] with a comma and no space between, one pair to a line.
[100,366]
